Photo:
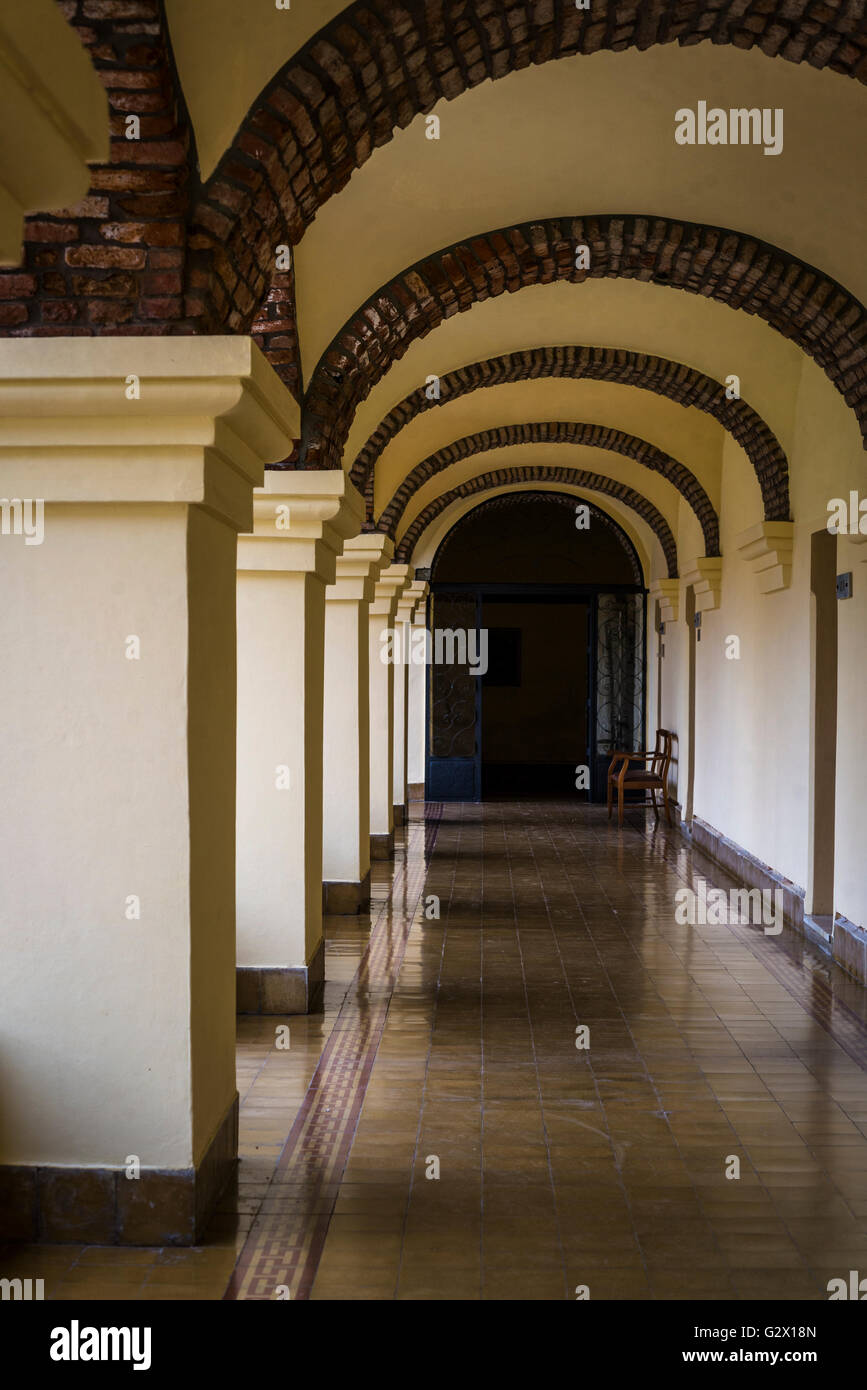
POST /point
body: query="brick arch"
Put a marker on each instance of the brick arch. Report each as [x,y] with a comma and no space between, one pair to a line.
[558,432]
[678,382]
[736,270]
[379,63]
[563,499]
[543,473]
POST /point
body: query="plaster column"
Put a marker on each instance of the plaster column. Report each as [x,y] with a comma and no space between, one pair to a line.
[346,772]
[416,705]
[301,522]
[390,586]
[412,596]
[117,894]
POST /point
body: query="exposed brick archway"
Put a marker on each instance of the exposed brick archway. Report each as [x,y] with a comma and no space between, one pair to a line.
[658,374]
[563,499]
[739,271]
[559,432]
[379,63]
[543,473]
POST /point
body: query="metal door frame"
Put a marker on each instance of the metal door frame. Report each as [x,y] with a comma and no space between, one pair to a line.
[562,593]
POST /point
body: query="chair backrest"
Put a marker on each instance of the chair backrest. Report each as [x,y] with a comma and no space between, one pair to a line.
[662,753]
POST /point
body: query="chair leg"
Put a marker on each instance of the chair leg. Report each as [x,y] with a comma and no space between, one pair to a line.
[653,799]
[667,805]
[609,798]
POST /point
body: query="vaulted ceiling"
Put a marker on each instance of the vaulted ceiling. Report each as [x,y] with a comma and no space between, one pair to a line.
[448,263]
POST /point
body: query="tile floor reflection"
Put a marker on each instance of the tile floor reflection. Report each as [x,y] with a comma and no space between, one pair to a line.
[448,1045]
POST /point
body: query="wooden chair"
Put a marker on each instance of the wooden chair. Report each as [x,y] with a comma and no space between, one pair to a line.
[653,778]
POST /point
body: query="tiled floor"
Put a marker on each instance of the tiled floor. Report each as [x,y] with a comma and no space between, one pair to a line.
[438,1133]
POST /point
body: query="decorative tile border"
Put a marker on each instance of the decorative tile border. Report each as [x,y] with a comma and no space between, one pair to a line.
[285,1243]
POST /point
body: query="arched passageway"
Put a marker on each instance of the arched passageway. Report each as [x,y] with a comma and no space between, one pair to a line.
[550,594]
[401,413]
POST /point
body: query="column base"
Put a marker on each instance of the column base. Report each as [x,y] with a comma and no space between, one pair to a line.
[399,816]
[102,1206]
[346,899]
[275,989]
[415,791]
[382,846]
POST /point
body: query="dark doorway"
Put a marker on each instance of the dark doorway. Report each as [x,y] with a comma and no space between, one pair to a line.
[560,605]
[534,696]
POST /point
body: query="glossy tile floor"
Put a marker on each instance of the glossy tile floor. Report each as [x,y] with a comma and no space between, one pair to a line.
[437,1133]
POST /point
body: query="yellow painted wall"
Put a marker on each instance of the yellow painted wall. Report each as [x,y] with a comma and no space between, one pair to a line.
[754,714]
[228,51]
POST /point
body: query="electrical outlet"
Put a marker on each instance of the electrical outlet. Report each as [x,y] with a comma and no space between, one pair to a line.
[844,585]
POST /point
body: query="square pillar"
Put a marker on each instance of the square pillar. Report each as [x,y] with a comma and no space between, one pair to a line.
[412,596]
[346,752]
[390,585]
[117,901]
[416,704]
[301,522]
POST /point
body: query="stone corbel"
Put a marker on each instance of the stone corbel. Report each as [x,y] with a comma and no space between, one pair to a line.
[667,591]
[768,547]
[705,576]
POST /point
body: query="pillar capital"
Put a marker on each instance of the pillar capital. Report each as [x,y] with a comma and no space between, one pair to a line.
[389,587]
[358,569]
[378,543]
[411,602]
[141,420]
[300,523]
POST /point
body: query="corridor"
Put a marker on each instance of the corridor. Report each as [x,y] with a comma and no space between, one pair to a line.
[422,426]
[558,1167]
